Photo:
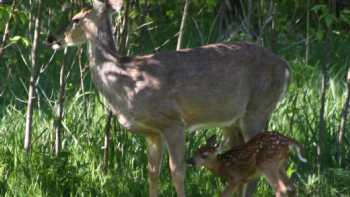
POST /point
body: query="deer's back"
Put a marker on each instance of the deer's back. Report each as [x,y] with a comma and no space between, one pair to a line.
[270,146]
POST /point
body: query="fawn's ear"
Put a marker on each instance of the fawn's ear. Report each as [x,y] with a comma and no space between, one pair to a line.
[212,141]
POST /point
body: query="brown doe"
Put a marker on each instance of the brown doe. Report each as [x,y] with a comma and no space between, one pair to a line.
[232,86]
[264,154]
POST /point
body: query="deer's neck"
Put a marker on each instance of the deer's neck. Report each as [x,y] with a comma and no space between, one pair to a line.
[107,71]
[215,167]
[102,48]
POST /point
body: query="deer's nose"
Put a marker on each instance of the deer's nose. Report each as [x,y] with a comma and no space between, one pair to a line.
[53,42]
[51,39]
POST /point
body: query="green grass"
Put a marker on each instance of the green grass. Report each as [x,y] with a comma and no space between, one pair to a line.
[78,169]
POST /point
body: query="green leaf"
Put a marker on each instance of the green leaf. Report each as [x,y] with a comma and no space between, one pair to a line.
[317,8]
[291,170]
[170,13]
[320,35]
[212,4]
[329,20]
[345,16]
[15,39]
[25,41]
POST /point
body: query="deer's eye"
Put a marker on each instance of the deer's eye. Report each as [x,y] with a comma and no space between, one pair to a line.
[76,21]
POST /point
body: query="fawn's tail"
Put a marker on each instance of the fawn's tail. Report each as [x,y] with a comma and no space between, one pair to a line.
[297,147]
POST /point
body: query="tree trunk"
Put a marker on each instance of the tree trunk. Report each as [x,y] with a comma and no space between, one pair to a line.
[249,18]
[322,121]
[323,91]
[7,29]
[307,39]
[33,79]
[342,126]
[60,107]
[124,35]
[145,36]
[182,26]
[81,70]
[107,141]
[273,26]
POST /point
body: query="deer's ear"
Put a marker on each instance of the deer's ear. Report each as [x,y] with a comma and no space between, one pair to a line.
[99,5]
[102,5]
[116,5]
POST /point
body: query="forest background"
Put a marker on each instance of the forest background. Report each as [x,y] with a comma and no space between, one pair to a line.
[63,142]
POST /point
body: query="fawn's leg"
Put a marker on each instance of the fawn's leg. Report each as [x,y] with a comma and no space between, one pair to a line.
[155,152]
[229,189]
[272,172]
[290,187]
[175,139]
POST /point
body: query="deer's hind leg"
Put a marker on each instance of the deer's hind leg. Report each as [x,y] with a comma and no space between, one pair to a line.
[174,137]
[233,137]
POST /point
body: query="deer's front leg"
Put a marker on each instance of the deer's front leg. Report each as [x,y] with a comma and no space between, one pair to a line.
[155,155]
[175,140]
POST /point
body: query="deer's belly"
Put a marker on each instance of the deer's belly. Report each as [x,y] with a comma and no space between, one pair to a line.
[209,119]
[214,115]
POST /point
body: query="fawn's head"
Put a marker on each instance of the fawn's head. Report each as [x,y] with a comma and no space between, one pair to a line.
[85,24]
[205,154]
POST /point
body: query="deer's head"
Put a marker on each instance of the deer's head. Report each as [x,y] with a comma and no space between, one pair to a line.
[85,24]
[205,154]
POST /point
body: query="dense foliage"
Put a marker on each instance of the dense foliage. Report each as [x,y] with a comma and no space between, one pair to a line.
[313,36]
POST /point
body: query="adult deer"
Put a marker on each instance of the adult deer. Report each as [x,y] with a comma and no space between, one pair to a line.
[233,86]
